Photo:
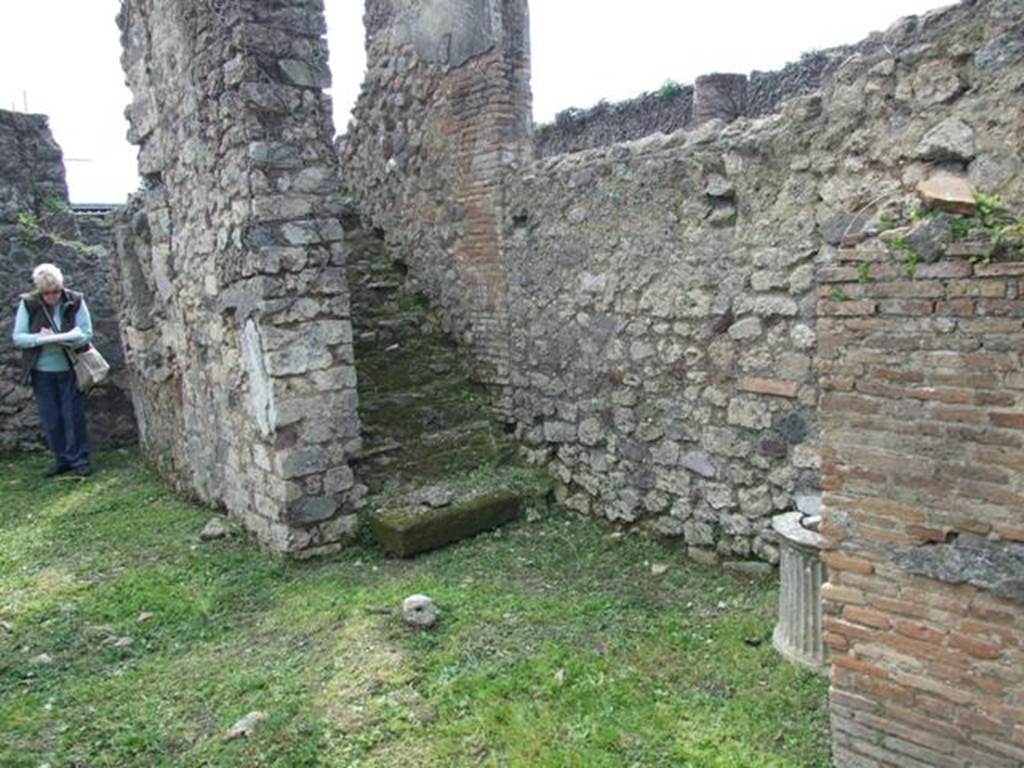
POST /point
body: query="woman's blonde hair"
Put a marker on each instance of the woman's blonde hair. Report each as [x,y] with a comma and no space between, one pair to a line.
[47,277]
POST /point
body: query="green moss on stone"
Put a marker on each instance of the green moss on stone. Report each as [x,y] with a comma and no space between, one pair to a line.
[409,530]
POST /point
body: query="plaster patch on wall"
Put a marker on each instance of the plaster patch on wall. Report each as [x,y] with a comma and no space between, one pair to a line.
[261,389]
[995,566]
[446,31]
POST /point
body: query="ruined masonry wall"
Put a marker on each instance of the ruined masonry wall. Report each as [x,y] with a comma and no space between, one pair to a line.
[923,427]
[761,93]
[663,329]
[662,292]
[37,225]
[443,116]
[231,266]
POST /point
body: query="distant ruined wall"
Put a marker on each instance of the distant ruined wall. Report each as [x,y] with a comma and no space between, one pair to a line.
[443,117]
[574,130]
[234,303]
[663,292]
[37,225]
[672,107]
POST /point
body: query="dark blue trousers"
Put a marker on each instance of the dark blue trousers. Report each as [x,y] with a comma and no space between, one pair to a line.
[62,410]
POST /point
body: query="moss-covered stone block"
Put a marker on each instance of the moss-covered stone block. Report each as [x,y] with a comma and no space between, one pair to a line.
[405,531]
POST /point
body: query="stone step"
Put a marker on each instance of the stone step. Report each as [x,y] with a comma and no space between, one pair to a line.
[419,463]
[442,391]
[410,526]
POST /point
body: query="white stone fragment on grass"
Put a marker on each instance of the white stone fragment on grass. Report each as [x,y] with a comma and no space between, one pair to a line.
[215,528]
[244,727]
[419,611]
[42,660]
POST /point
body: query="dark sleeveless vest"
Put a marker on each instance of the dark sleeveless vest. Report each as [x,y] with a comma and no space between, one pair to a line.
[66,309]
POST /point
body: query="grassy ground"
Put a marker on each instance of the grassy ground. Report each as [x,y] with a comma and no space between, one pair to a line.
[557,646]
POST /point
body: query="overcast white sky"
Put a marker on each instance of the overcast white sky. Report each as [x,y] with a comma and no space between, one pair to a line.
[61,58]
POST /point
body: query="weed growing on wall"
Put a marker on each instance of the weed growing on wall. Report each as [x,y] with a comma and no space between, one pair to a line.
[669,90]
[864,271]
[993,224]
[55,204]
[28,221]
[999,225]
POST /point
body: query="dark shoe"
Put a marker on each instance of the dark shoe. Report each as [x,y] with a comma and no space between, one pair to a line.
[55,470]
[83,471]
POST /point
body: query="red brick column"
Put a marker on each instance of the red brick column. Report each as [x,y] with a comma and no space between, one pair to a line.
[923,478]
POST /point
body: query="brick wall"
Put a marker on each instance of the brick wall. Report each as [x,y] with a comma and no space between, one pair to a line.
[923,426]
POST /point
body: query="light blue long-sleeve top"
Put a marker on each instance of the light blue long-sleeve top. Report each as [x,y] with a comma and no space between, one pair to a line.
[52,357]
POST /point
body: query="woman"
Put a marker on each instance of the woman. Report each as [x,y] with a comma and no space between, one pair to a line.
[50,321]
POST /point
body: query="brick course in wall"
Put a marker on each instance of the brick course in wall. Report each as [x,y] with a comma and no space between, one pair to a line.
[427,164]
[923,476]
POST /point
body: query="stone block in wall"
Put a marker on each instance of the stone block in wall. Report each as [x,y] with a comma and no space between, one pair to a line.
[719,96]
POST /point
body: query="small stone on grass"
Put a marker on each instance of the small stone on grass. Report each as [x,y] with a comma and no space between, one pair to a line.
[244,727]
[424,714]
[215,529]
[419,611]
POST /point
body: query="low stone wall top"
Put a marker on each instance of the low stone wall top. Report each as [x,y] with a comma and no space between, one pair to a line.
[668,110]
[672,107]
[767,90]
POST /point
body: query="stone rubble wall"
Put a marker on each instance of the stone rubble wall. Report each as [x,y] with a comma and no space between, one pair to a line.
[662,293]
[574,130]
[672,108]
[663,329]
[235,309]
[37,225]
[443,116]
[923,470]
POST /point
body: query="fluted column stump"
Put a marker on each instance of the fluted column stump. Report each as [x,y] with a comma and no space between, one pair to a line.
[798,634]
